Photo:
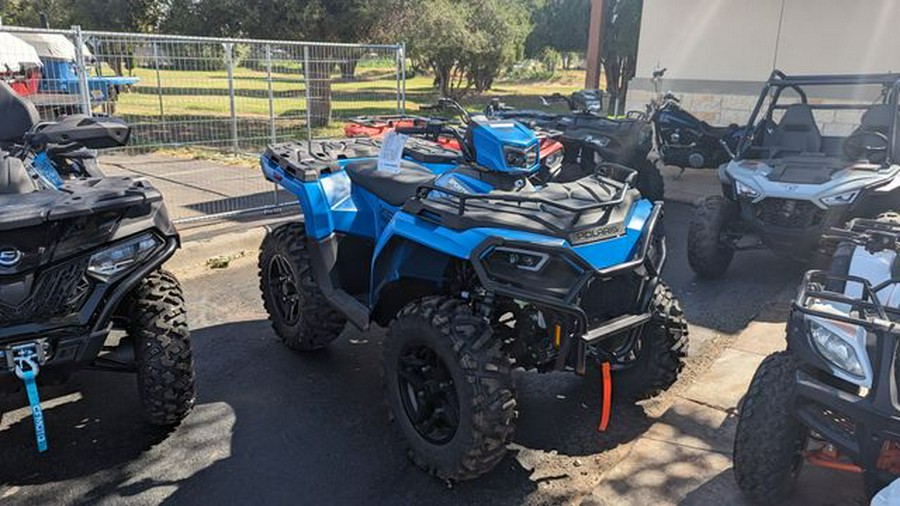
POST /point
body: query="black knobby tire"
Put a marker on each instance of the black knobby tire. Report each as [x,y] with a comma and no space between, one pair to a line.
[769,443]
[663,348]
[159,332]
[649,181]
[299,313]
[481,388]
[708,255]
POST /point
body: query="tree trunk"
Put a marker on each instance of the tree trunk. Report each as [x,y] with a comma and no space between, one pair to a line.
[348,68]
[319,79]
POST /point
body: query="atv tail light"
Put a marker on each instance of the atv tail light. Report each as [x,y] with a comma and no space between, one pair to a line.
[889,458]
[122,256]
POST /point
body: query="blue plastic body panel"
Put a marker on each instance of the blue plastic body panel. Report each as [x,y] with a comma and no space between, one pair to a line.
[407,245]
[489,138]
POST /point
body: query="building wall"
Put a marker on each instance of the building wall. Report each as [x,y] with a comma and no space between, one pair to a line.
[719,52]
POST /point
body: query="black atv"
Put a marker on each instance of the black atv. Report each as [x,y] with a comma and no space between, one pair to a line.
[590,138]
[80,260]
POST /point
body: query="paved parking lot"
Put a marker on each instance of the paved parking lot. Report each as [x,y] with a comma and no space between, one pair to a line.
[275,427]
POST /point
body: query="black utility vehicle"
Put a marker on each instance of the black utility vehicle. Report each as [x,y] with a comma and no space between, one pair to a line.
[80,260]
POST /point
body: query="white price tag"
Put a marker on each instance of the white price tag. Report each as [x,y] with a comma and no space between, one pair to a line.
[391,152]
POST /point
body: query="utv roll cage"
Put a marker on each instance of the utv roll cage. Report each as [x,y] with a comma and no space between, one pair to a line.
[779,81]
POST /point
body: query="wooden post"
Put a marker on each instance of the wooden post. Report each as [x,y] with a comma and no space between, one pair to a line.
[592,77]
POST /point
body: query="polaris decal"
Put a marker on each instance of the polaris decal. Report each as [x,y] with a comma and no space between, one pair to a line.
[597,233]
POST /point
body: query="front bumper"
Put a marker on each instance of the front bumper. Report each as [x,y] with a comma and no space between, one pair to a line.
[792,235]
[74,340]
[645,268]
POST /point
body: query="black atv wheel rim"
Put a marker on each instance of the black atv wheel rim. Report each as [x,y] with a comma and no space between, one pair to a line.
[283,287]
[428,394]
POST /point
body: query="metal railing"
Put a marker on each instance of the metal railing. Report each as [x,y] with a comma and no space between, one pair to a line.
[177,92]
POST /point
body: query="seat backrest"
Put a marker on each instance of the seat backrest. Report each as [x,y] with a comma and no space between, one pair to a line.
[797,131]
[879,118]
[19,115]
[14,179]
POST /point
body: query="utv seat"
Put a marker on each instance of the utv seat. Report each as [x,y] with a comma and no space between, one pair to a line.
[393,188]
[878,118]
[19,115]
[797,132]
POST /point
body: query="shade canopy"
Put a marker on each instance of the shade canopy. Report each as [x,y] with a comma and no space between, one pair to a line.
[16,55]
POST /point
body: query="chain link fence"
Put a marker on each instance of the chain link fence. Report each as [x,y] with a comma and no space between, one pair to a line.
[179,92]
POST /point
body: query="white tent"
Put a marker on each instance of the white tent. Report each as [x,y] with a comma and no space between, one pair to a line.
[16,55]
[53,45]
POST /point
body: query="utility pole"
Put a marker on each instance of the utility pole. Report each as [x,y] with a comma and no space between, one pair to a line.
[592,77]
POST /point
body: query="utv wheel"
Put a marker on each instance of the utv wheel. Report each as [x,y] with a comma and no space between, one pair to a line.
[660,351]
[300,314]
[769,443]
[649,181]
[708,255]
[449,387]
[162,348]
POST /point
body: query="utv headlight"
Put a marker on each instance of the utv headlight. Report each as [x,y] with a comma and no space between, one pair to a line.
[744,190]
[835,349]
[841,199]
[519,259]
[122,256]
[520,158]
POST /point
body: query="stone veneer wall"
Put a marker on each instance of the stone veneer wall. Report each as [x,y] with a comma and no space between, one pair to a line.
[724,109]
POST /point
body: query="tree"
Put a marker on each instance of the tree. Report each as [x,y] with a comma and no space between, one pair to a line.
[618,50]
[563,25]
[465,43]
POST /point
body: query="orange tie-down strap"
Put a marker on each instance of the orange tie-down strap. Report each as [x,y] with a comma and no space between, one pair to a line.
[606,377]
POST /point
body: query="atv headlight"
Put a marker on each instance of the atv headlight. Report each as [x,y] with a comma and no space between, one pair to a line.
[601,141]
[534,271]
[122,256]
[836,349]
[841,199]
[744,190]
[554,159]
[520,158]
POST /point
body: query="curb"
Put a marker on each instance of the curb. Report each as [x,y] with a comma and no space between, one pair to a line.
[191,258]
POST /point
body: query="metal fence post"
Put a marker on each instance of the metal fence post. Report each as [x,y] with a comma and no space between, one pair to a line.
[403,78]
[82,68]
[229,64]
[159,93]
[271,96]
[308,97]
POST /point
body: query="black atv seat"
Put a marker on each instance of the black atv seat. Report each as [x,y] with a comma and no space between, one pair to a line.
[393,188]
[19,115]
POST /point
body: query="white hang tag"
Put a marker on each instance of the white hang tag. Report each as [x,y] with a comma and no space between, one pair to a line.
[391,152]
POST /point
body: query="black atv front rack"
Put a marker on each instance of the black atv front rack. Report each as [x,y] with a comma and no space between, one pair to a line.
[558,218]
[865,310]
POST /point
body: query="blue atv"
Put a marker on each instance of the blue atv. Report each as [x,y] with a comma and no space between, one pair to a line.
[475,271]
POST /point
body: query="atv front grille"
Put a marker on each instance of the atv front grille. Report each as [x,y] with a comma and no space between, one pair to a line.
[56,291]
[789,213]
[604,299]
